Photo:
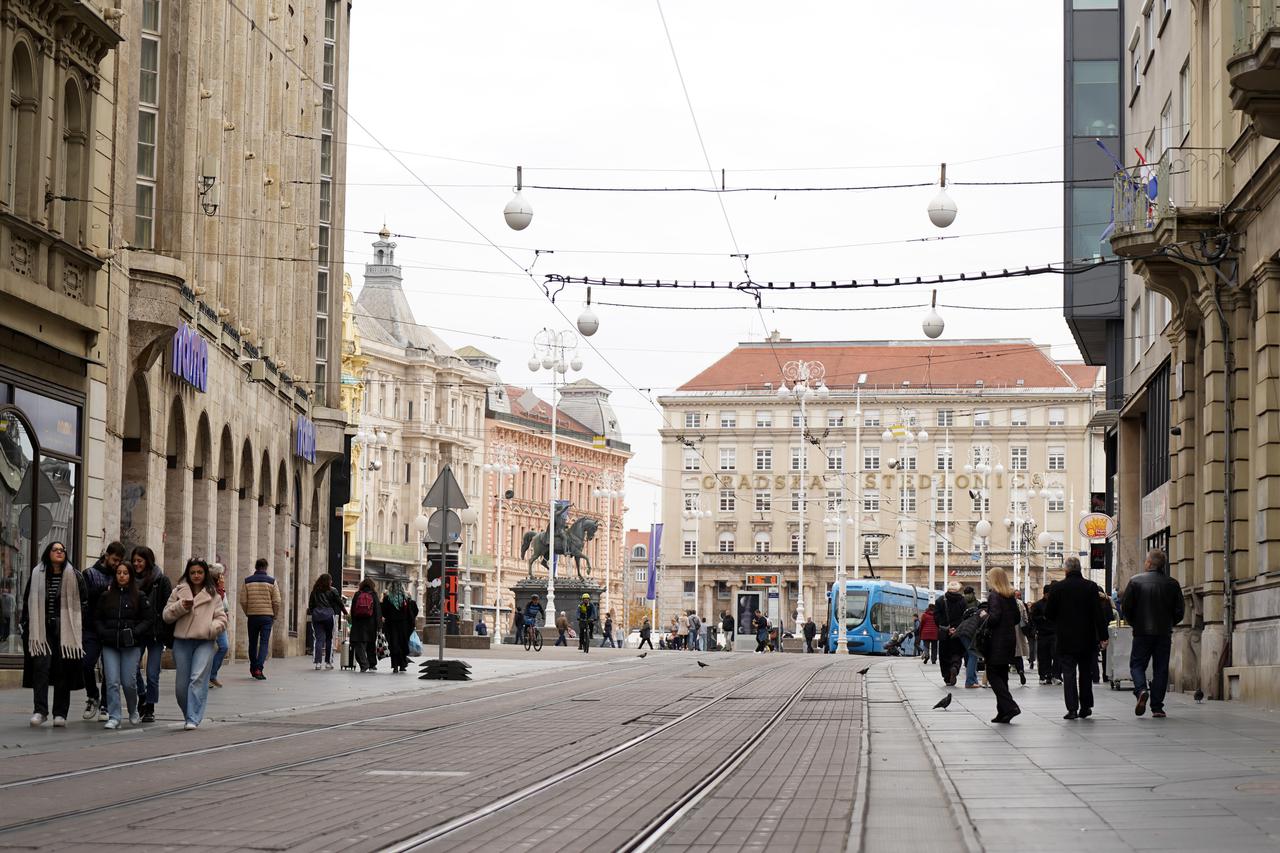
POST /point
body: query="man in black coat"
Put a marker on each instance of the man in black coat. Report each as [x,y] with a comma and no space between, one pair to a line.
[1152,604]
[1079,629]
[1046,665]
[949,611]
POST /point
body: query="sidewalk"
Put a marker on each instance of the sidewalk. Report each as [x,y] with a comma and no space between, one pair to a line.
[1205,778]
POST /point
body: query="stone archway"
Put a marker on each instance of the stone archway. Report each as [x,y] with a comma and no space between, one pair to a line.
[135,463]
[203,484]
[225,527]
[177,490]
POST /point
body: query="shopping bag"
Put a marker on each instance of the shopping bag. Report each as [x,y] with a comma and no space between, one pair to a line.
[415,644]
[381,645]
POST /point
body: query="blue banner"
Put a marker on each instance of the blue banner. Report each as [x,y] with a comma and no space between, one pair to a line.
[655,545]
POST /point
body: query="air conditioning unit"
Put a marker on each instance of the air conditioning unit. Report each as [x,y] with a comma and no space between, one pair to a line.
[257,369]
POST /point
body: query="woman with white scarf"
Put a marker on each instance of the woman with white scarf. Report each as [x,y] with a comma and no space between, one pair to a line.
[53,637]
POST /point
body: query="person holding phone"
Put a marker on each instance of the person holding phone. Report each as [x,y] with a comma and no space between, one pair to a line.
[122,622]
[196,613]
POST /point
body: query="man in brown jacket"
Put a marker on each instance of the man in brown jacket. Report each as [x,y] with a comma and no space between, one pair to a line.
[260,602]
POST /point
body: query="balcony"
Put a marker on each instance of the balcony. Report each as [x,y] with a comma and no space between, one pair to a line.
[1254,66]
[1159,205]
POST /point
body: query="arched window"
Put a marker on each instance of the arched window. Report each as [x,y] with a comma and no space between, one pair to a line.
[395,526]
[639,552]
[725,541]
[20,146]
[74,163]
[762,543]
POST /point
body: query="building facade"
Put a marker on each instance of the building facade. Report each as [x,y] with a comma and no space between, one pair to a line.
[592,459]
[909,468]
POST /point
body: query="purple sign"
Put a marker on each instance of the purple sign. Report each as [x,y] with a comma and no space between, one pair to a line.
[190,359]
[655,544]
[304,439]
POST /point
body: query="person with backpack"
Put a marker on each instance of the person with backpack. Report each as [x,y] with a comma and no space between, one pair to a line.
[323,606]
[964,635]
[399,620]
[586,618]
[157,587]
[97,579]
[122,617]
[260,603]
[195,610]
[366,617]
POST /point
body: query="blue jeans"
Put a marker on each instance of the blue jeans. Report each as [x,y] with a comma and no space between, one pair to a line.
[192,660]
[607,640]
[92,649]
[1146,647]
[220,654]
[970,662]
[259,641]
[116,663]
[322,640]
[155,652]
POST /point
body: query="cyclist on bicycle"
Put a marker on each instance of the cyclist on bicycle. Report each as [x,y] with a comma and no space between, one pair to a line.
[586,618]
[533,614]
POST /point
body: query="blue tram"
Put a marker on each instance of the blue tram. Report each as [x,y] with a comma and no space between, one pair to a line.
[875,610]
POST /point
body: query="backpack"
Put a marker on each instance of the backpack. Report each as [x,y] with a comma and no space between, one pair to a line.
[363,605]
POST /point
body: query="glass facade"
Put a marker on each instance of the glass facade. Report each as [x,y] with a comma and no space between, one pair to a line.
[1095,98]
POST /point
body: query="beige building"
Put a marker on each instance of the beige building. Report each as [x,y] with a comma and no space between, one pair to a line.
[1205,239]
[934,417]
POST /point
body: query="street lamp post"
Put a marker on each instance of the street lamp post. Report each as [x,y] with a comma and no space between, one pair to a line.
[610,492]
[469,517]
[805,377]
[502,466]
[367,439]
[557,353]
[696,515]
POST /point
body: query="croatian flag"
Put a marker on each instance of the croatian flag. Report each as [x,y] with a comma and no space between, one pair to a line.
[655,544]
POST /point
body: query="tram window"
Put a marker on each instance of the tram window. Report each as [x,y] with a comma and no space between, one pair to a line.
[878,622]
[855,607]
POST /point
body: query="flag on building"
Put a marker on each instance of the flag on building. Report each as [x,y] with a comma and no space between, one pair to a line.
[655,544]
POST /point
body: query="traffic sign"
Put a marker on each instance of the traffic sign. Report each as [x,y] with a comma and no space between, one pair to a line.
[445,493]
[976,556]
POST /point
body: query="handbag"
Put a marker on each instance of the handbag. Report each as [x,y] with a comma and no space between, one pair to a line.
[322,614]
[381,646]
[124,638]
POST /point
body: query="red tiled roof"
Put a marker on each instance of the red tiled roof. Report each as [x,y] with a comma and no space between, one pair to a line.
[998,363]
[1084,375]
[637,537]
[541,411]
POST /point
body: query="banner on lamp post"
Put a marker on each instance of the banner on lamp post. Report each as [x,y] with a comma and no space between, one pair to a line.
[655,544]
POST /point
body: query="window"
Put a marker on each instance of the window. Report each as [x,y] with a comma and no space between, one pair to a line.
[762,543]
[693,419]
[871,418]
[907,550]
[728,420]
[1149,30]
[981,502]
[330,18]
[1184,101]
[322,245]
[982,418]
[870,500]
[642,574]
[764,501]
[907,501]
[942,539]
[1095,98]
[795,501]
[764,419]
[911,418]
[727,501]
[943,500]
[1057,459]
[728,458]
[689,547]
[980,454]
[764,459]
[944,459]
[870,459]
[326,201]
[1018,417]
[725,542]
[946,417]
[797,419]
[835,459]
[908,461]
[834,497]
[1090,218]
[1166,126]
[871,546]
[690,500]
[144,211]
[146,161]
[1057,416]
[1095,4]
[833,544]
[1018,458]
[795,542]
[1054,551]
[1135,328]
[692,461]
[796,455]
[835,419]
[1135,67]
[322,338]
[688,588]
[1056,504]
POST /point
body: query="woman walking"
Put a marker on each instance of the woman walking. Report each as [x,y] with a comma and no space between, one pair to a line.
[53,639]
[1002,623]
[219,573]
[646,634]
[760,625]
[399,619]
[122,619]
[195,611]
[929,635]
[156,586]
[366,617]
[323,606]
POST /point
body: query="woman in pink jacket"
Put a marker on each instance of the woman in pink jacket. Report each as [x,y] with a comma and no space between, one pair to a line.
[195,610]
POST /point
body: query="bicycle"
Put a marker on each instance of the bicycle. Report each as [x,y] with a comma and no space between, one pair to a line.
[532,638]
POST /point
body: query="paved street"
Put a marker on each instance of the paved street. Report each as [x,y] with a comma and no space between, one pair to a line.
[777,752]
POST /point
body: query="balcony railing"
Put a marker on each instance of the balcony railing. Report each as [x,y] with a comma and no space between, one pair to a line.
[1185,179]
[1253,18]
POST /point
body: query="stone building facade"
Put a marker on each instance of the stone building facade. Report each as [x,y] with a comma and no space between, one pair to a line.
[732,447]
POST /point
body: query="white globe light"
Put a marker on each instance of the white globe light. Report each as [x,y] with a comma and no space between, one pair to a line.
[548,362]
[519,213]
[968,469]
[910,436]
[420,523]
[886,436]
[1008,522]
[923,435]
[588,322]
[470,515]
[1043,540]
[576,364]
[783,391]
[687,513]
[824,391]
[1031,494]
[893,462]
[561,367]
[983,528]
[999,468]
[904,538]
[933,323]
[534,364]
[942,210]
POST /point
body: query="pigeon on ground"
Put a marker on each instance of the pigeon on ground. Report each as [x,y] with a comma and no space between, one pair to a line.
[703,665]
[943,702]
[864,670]
[1199,695]
[644,654]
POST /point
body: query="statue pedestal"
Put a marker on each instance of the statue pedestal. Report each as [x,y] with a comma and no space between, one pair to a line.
[569,592]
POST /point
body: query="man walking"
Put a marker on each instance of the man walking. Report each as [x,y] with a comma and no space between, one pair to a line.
[949,611]
[1152,605]
[726,627]
[810,631]
[606,638]
[260,603]
[97,579]
[1080,629]
[1046,664]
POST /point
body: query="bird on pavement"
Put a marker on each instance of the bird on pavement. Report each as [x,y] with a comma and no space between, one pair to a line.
[943,702]
[703,665]
[644,654]
[1199,695]
[864,670]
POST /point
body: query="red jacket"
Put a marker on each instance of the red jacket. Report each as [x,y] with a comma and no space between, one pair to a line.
[928,626]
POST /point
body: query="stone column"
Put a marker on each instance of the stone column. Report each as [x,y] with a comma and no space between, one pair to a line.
[1265,446]
[1210,480]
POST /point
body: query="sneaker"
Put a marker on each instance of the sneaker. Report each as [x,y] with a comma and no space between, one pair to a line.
[1141,707]
[1159,715]
[148,716]
[59,722]
[134,718]
[112,724]
[90,709]
[317,667]
[102,714]
[37,719]
[190,727]
[328,666]
[259,676]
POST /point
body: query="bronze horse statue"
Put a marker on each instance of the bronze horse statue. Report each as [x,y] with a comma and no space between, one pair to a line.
[576,536]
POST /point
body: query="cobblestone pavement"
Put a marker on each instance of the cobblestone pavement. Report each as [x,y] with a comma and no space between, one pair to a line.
[614,752]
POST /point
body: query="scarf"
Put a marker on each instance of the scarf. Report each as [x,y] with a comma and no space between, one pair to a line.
[396,595]
[69,614]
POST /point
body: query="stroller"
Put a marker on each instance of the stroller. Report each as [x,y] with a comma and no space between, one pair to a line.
[893,648]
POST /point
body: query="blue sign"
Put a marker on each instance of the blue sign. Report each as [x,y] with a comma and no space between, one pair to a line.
[304,439]
[190,359]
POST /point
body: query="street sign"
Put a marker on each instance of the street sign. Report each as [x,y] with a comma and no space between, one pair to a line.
[445,493]
[976,556]
[1097,525]
[441,520]
[761,580]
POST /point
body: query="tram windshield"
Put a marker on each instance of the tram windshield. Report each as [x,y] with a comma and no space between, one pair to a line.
[855,607]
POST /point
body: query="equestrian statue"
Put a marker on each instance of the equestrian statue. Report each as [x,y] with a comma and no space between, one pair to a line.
[570,540]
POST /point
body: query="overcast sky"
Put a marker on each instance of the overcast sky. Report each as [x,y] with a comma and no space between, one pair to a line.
[798,94]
